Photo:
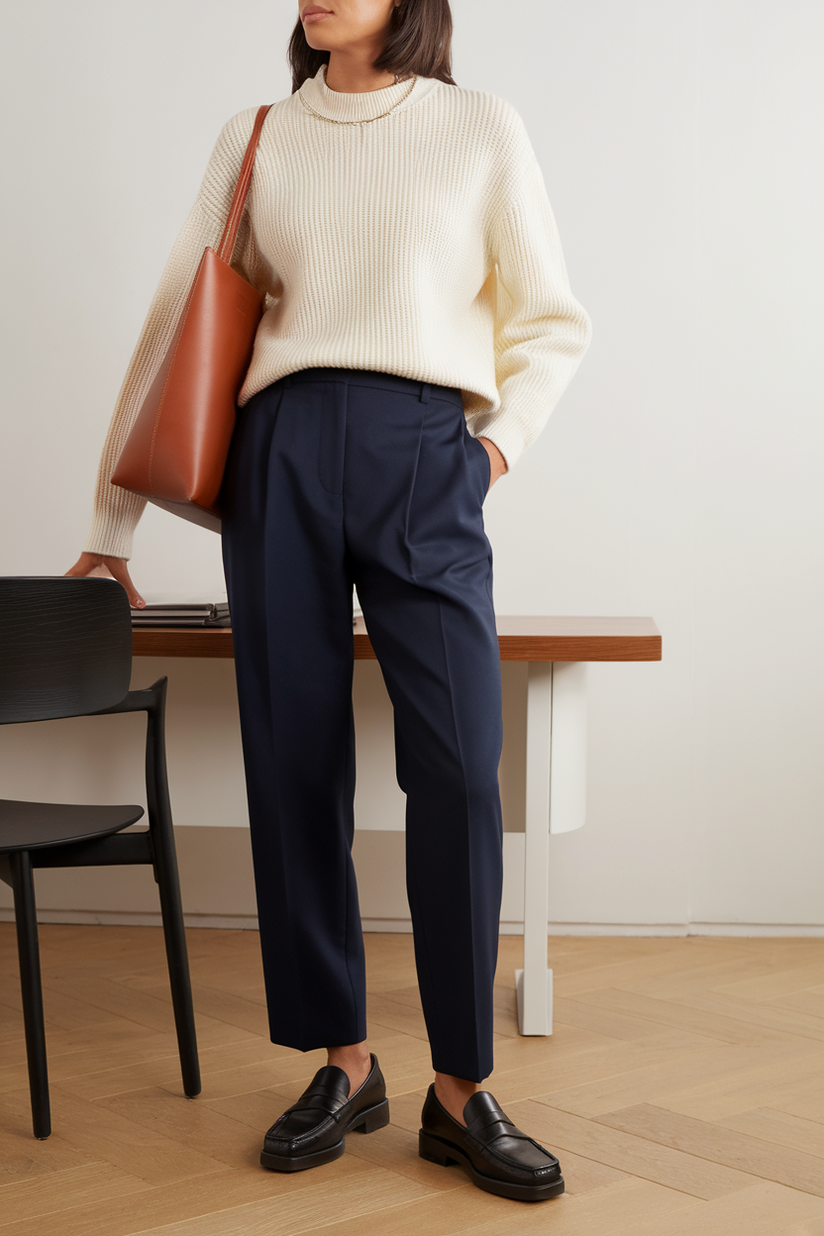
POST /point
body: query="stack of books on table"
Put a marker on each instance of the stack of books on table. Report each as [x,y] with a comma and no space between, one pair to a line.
[171,611]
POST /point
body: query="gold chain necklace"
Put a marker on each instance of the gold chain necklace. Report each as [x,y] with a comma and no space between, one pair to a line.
[370,118]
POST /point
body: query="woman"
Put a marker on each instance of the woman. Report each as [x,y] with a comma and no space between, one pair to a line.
[418,329]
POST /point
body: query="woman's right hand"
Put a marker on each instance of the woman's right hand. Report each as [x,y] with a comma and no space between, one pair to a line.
[113,568]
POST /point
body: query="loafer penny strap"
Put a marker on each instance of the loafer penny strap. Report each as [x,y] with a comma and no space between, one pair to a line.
[490,1123]
[328,1090]
[480,1136]
[482,1111]
[486,1120]
[320,1099]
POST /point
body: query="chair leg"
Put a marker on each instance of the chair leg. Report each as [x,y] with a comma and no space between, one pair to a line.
[29,953]
[179,979]
[165,857]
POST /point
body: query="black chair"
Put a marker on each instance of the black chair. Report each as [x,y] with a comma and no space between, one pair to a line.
[66,651]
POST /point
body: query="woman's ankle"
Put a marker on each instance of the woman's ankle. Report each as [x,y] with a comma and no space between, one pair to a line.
[356,1061]
[453,1093]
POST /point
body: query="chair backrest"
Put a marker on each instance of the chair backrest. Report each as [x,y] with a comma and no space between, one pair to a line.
[65,646]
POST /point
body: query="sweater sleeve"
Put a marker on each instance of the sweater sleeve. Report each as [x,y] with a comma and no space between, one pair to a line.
[116,511]
[541,331]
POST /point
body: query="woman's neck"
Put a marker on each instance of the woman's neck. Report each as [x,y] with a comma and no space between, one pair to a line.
[355,77]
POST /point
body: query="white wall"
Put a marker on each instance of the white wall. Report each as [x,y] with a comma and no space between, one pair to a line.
[678,477]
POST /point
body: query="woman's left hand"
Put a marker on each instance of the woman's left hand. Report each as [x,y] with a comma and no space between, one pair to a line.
[497,463]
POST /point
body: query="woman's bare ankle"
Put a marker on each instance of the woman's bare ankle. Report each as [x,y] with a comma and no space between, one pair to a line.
[355,1060]
[452,1093]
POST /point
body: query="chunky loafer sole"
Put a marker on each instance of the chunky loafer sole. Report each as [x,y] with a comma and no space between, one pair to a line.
[364,1122]
[438,1150]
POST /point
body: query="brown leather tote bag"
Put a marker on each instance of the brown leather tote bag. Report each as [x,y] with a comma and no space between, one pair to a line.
[175,454]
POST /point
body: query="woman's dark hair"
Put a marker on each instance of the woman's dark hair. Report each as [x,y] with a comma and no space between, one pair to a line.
[419,41]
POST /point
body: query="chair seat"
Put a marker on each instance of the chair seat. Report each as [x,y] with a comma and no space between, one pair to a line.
[31,826]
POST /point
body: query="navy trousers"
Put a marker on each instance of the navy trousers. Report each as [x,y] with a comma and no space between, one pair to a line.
[338,477]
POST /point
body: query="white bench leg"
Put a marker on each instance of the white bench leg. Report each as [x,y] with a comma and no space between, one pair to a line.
[555,802]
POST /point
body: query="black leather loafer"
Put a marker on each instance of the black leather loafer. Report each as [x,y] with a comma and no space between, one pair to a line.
[313,1130]
[499,1157]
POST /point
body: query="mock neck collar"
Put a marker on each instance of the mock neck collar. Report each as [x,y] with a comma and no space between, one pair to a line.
[340,106]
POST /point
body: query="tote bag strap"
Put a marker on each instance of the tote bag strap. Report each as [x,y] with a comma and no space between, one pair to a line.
[227,240]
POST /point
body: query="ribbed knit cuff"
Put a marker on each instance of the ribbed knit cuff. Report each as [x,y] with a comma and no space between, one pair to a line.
[509,439]
[107,538]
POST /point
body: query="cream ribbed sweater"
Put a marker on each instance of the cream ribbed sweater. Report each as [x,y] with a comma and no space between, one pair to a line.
[421,243]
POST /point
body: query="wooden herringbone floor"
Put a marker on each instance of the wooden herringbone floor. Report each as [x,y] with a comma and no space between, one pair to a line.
[683,1091]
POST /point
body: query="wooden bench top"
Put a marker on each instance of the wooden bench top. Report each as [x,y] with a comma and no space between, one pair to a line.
[519,638]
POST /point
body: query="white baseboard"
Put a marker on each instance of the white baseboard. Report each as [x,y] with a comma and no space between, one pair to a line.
[249,922]
[756,929]
[677,930]
[128,918]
